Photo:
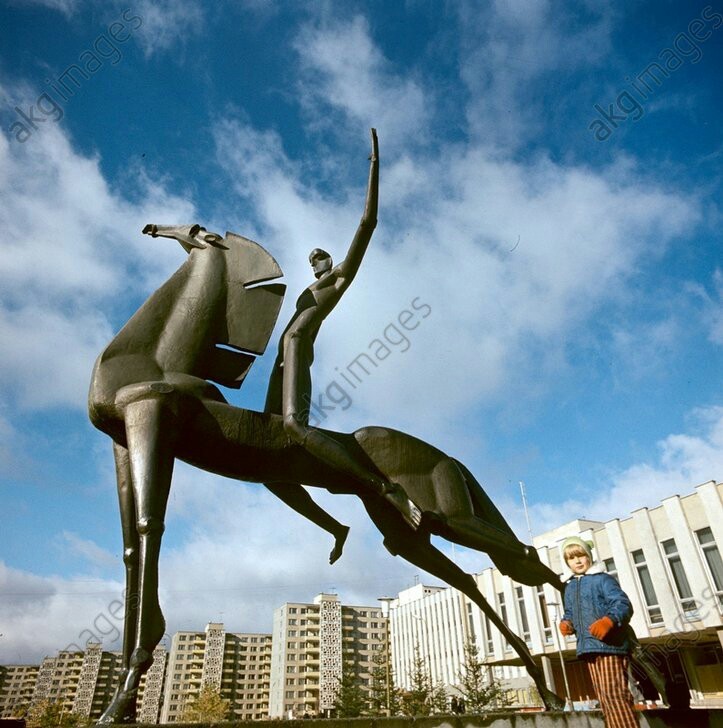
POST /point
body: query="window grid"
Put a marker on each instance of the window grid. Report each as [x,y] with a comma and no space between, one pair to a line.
[503,615]
[611,569]
[646,583]
[682,586]
[522,612]
[546,627]
[713,561]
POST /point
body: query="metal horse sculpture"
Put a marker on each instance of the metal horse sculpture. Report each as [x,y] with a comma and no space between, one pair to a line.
[151,392]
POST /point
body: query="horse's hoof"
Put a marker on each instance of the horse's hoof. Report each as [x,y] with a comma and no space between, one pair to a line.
[121,710]
[551,700]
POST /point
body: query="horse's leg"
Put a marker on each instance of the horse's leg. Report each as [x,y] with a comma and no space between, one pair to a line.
[126,502]
[150,434]
[459,522]
[456,512]
[423,554]
[294,495]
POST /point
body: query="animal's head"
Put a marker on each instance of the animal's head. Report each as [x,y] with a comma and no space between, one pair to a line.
[189,236]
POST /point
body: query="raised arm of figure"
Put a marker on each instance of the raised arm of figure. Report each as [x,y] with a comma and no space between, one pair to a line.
[350,265]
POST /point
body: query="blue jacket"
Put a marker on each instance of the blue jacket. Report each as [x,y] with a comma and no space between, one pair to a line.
[590,597]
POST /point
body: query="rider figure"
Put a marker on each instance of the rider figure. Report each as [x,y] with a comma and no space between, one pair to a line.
[290,384]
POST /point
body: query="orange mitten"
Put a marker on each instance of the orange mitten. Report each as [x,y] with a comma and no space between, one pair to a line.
[566,628]
[600,628]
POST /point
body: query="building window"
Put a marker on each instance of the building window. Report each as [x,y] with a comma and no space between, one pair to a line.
[682,586]
[503,614]
[490,645]
[470,623]
[646,583]
[713,560]
[522,612]
[611,569]
[546,628]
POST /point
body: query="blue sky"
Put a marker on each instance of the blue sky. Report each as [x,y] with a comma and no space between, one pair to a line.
[555,205]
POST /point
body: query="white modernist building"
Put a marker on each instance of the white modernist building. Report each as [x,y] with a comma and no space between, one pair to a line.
[667,559]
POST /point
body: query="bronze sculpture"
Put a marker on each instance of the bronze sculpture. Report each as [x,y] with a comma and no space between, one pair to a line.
[151,392]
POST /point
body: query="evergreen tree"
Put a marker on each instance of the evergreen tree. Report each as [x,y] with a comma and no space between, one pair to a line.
[384,696]
[206,707]
[438,699]
[351,700]
[478,687]
[423,698]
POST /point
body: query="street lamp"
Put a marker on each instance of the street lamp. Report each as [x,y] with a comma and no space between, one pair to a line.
[556,620]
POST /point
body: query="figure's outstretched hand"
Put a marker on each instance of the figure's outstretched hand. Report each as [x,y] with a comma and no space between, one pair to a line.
[374,156]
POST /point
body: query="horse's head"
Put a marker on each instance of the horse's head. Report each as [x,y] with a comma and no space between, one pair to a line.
[189,236]
[215,314]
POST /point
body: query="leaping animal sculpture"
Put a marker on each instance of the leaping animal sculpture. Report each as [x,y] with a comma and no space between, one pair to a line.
[153,393]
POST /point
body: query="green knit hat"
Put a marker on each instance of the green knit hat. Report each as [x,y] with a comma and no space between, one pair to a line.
[586,546]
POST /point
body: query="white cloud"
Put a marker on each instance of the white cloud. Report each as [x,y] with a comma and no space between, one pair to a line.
[88,550]
[344,72]
[42,615]
[168,23]
[71,246]
[67,7]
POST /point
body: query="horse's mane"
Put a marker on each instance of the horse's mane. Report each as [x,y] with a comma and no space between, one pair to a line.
[222,291]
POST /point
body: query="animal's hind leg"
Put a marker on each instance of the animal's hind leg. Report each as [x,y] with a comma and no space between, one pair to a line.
[460,523]
[150,434]
[427,557]
[483,529]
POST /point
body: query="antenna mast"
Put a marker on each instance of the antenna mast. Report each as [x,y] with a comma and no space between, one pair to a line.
[524,505]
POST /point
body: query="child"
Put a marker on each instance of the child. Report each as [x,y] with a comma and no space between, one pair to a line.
[598,611]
